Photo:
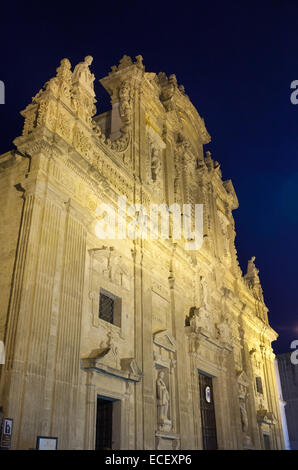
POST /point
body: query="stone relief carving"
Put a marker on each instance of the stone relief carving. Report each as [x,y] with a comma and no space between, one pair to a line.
[266,417]
[112,266]
[224,223]
[107,359]
[256,358]
[130,364]
[125,105]
[224,331]
[168,89]
[108,352]
[200,321]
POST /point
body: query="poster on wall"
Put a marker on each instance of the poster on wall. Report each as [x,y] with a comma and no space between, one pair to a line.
[47,443]
[6,433]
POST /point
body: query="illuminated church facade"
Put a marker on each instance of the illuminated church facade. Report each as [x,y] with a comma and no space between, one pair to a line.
[126,342]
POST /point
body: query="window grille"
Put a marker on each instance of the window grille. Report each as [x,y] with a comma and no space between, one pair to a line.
[106,308]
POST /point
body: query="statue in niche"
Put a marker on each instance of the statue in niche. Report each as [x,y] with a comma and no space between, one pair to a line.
[155,164]
[163,400]
[203,292]
[125,104]
[82,72]
[243,411]
[244,417]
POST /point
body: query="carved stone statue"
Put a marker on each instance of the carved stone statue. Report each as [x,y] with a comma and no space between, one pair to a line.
[252,279]
[82,73]
[125,105]
[163,400]
[195,321]
[203,292]
[243,394]
[244,417]
[155,164]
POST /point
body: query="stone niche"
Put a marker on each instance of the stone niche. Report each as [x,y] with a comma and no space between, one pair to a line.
[243,394]
[164,350]
[154,161]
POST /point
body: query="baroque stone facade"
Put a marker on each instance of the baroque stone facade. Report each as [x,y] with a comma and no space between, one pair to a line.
[179,317]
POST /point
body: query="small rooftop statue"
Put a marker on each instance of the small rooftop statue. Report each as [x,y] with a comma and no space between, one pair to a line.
[82,73]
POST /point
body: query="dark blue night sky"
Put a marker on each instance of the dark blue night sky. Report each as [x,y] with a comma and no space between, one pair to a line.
[236,61]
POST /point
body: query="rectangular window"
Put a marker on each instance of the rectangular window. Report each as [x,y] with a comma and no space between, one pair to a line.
[109,307]
[106,308]
[259,385]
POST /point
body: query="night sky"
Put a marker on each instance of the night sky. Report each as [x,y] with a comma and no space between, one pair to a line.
[236,62]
